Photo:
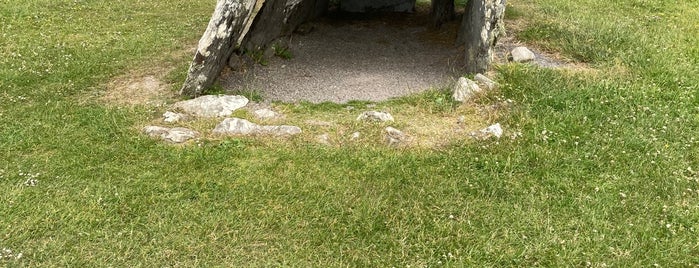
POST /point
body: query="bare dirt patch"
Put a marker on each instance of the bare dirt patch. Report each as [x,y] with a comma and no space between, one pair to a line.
[138,87]
[374,58]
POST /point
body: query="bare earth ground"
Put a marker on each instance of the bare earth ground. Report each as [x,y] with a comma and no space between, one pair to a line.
[345,59]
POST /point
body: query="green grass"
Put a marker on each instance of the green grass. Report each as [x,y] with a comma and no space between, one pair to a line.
[605,174]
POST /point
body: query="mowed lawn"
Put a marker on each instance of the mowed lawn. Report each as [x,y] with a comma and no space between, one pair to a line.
[605,173]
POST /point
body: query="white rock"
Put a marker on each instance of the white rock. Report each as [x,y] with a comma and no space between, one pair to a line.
[323,139]
[238,126]
[522,54]
[170,117]
[265,114]
[491,131]
[212,106]
[394,136]
[485,81]
[173,135]
[496,130]
[355,136]
[375,116]
[465,89]
[280,130]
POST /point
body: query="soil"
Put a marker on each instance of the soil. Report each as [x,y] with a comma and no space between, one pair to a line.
[369,57]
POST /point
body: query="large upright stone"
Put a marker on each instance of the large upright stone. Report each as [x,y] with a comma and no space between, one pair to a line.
[280,18]
[230,21]
[481,27]
[441,11]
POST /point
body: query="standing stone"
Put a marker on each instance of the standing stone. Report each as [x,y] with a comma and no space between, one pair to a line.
[441,11]
[279,18]
[481,27]
[230,21]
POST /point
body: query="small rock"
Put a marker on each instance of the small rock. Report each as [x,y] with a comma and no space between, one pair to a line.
[375,116]
[212,106]
[522,54]
[265,114]
[170,117]
[355,136]
[485,81]
[394,136]
[461,120]
[238,126]
[280,130]
[323,139]
[491,131]
[173,135]
[465,89]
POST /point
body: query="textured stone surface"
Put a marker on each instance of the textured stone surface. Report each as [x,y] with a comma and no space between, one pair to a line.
[212,106]
[375,116]
[522,54]
[265,114]
[485,82]
[482,25]
[491,131]
[230,21]
[394,136]
[173,135]
[238,126]
[465,89]
[171,117]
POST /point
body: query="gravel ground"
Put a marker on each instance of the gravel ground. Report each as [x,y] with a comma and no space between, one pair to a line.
[345,59]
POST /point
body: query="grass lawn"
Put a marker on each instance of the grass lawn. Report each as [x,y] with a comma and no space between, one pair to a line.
[606,172]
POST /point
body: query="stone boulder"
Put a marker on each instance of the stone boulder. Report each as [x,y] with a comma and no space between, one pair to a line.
[485,81]
[171,117]
[491,131]
[212,106]
[375,116]
[483,24]
[172,135]
[229,23]
[522,54]
[394,136]
[265,114]
[465,89]
[238,126]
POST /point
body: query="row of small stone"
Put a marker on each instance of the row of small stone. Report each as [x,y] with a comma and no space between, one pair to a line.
[210,106]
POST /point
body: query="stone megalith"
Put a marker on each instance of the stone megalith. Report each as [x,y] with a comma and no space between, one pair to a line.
[248,25]
[230,21]
[481,27]
[441,11]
